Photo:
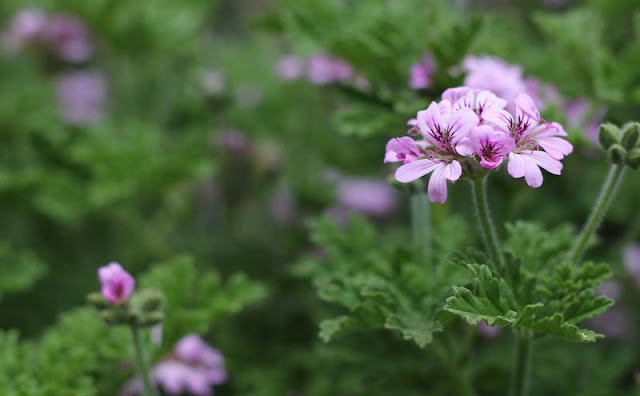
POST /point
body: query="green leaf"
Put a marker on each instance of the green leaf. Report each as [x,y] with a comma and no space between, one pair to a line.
[414,328]
[492,300]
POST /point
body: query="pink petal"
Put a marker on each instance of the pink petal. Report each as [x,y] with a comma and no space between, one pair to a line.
[546,162]
[525,106]
[499,118]
[460,124]
[487,99]
[415,170]
[453,171]
[556,147]
[437,189]
[517,165]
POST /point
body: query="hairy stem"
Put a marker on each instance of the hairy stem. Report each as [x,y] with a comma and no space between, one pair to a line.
[141,362]
[607,193]
[522,358]
[420,220]
[489,235]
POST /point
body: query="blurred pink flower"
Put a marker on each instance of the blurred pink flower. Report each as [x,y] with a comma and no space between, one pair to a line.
[421,72]
[213,81]
[614,322]
[582,114]
[82,96]
[324,69]
[290,67]
[26,28]
[494,74]
[117,284]
[233,142]
[69,37]
[194,367]
[632,262]
[369,196]
[487,331]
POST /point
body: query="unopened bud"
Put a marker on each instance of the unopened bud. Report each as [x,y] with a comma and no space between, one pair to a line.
[152,319]
[633,158]
[151,300]
[630,136]
[109,317]
[98,301]
[608,134]
[616,153]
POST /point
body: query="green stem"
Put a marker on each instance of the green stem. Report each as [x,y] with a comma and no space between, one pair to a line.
[420,220]
[141,362]
[611,183]
[489,234]
[522,358]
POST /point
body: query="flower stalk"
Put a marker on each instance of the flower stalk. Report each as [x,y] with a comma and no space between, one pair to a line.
[522,358]
[141,362]
[420,219]
[489,235]
[607,193]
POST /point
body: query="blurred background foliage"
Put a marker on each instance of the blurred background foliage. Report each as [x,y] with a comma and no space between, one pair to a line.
[199,166]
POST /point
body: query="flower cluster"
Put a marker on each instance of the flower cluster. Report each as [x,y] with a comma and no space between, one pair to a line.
[194,367]
[472,124]
[64,35]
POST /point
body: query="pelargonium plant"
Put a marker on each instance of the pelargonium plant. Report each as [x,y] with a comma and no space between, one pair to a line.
[472,133]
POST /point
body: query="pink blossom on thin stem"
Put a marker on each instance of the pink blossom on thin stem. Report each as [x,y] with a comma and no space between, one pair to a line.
[117,284]
[473,124]
[421,72]
[368,196]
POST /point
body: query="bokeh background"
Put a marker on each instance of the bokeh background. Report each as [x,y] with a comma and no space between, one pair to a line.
[219,149]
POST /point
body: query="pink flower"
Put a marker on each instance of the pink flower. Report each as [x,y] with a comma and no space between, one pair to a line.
[193,368]
[442,129]
[581,114]
[324,69]
[474,99]
[421,72]
[117,284]
[290,67]
[402,149]
[529,135]
[368,196]
[489,145]
[82,97]
[26,28]
[494,74]
[70,38]
[487,331]
[632,262]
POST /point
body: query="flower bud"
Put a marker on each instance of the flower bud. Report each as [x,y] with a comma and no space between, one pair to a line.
[151,300]
[630,135]
[616,153]
[633,158]
[608,134]
[152,319]
[98,301]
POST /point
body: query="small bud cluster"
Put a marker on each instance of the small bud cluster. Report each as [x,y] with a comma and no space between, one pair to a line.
[621,144]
